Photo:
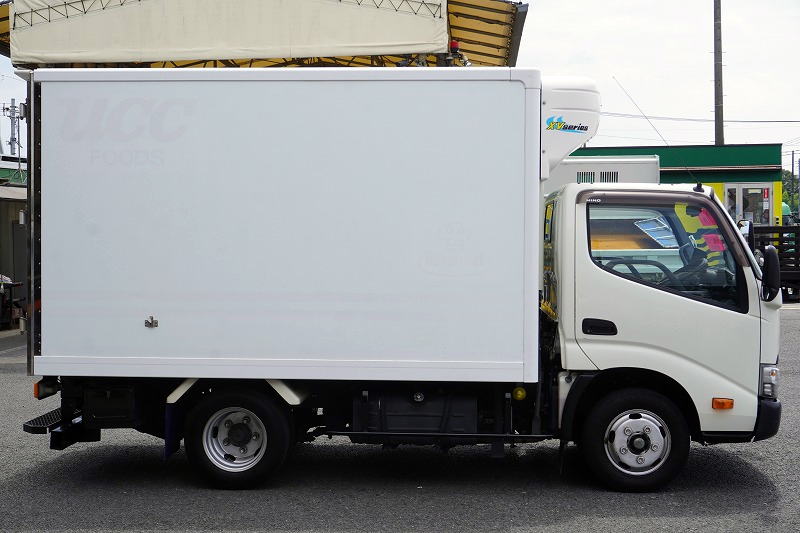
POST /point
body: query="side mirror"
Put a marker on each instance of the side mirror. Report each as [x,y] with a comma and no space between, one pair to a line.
[771,282]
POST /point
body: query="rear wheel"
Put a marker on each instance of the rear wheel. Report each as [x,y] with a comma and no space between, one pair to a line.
[237,439]
[635,440]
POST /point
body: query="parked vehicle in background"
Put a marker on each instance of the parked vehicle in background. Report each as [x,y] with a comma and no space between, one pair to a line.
[785,240]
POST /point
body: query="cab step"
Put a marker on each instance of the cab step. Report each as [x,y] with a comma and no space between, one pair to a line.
[47,422]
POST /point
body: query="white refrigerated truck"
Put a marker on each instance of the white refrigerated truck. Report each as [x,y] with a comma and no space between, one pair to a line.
[359,255]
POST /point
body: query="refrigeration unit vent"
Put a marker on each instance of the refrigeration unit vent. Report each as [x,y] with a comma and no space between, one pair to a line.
[610,176]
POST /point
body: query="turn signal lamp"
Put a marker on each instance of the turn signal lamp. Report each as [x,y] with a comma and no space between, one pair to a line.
[721,403]
[44,388]
[519,394]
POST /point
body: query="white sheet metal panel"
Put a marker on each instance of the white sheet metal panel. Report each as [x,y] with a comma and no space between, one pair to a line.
[45,31]
[334,259]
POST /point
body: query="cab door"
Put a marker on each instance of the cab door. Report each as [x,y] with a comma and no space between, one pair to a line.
[663,284]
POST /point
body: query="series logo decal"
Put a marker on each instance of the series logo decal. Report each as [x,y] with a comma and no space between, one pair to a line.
[558,124]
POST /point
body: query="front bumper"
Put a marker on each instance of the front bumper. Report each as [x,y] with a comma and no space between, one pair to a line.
[768,421]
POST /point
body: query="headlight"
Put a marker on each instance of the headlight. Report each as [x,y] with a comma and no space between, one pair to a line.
[769,381]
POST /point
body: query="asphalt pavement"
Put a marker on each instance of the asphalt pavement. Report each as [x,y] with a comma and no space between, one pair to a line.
[122,483]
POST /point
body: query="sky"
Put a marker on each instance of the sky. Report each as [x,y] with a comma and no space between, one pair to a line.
[10,87]
[661,52]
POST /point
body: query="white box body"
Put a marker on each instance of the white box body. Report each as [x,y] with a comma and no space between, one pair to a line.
[342,224]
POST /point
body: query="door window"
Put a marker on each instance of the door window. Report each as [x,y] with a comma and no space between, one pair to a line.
[677,247]
[751,203]
[755,204]
[731,203]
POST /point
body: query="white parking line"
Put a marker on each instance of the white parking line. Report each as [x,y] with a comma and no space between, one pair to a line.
[12,349]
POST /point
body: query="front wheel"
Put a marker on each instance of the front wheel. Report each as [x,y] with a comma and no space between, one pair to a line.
[237,439]
[635,440]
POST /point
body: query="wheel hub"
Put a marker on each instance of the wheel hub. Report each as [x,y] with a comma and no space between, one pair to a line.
[637,442]
[234,439]
[240,434]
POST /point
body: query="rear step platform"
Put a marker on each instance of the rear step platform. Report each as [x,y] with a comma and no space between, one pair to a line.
[42,424]
[63,433]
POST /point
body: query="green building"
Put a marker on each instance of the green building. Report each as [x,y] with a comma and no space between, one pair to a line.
[747,177]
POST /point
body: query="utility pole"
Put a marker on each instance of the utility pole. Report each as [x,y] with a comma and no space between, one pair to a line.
[12,112]
[14,118]
[719,134]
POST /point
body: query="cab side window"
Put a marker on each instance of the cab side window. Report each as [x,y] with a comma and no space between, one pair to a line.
[678,247]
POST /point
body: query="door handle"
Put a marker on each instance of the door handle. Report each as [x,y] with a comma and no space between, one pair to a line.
[598,326]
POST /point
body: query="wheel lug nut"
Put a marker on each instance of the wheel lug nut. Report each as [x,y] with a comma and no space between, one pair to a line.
[246,420]
[243,450]
[628,432]
[623,450]
[256,436]
[647,429]
[225,442]
[640,460]
[227,423]
[654,447]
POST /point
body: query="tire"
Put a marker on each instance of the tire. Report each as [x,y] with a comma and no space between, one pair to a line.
[635,440]
[236,440]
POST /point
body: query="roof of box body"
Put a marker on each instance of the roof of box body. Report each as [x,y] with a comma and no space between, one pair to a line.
[530,78]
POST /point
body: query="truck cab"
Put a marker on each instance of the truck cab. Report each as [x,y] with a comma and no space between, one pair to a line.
[652,289]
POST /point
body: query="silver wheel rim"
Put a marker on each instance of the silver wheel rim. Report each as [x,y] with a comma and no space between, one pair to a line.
[637,442]
[234,439]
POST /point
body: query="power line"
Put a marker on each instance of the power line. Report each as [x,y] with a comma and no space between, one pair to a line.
[688,119]
[640,110]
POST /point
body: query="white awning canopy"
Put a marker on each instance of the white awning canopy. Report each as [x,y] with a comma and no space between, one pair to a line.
[128,31]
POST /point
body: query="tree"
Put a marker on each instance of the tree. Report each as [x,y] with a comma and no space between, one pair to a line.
[790,195]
